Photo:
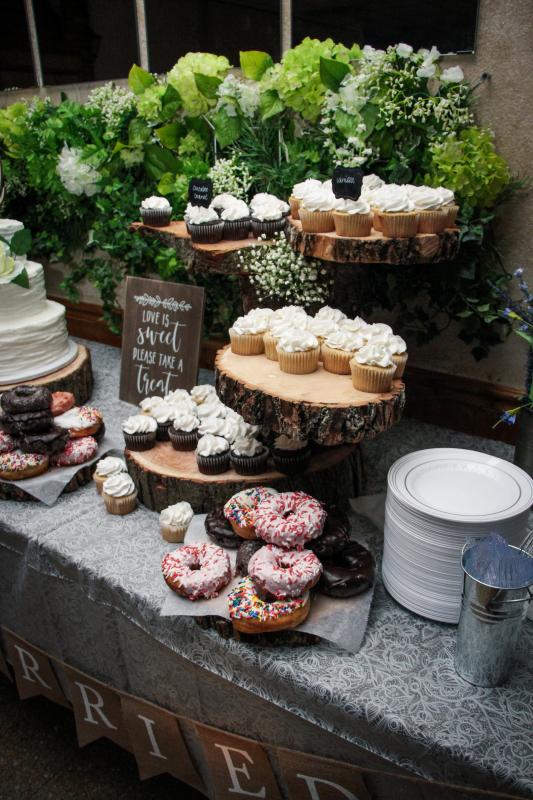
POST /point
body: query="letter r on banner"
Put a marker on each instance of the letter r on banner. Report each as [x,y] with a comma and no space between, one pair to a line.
[33,670]
[97,709]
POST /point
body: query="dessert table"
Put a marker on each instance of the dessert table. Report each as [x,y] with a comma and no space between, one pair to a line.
[86,587]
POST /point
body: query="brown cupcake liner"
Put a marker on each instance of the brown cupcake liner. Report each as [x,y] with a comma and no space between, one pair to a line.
[206,232]
[352,224]
[213,465]
[138,442]
[270,347]
[376,222]
[249,465]
[183,440]
[301,363]
[268,226]
[432,220]
[120,505]
[163,428]
[400,224]
[295,206]
[370,378]
[156,217]
[173,533]
[236,228]
[247,344]
[334,360]
[291,462]
[99,481]
[451,216]
[400,359]
[316,221]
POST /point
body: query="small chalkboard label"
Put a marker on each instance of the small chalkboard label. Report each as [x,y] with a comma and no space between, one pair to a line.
[161,338]
[200,191]
[347,182]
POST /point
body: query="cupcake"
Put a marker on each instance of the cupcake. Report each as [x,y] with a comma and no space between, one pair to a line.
[398,348]
[396,214]
[316,210]
[183,432]
[216,426]
[321,328]
[448,202]
[156,211]
[148,404]
[105,468]
[376,330]
[352,325]
[120,494]
[212,454]
[261,199]
[298,352]
[432,216]
[338,350]
[267,218]
[163,414]
[236,218]
[246,336]
[352,217]
[271,337]
[334,314]
[204,225]
[201,392]
[140,432]
[221,201]
[299,190]
[248,456]
[174,521]
[291,455]
[372,368]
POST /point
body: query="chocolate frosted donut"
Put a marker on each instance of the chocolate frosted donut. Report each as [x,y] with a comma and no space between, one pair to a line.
[26,422]
[26,398]
[335,536]
[248,548]
[220,531]
[348,573]
[53,441]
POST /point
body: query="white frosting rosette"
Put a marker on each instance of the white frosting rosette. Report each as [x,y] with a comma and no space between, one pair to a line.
[425,198]
[352,325]
[159,203]
[185,421]
[267,210]
[223,201]
[139,423]
[201,392]
[334,314]
[197,215]
[374,354]
[393,200]
[446,195]
[288,313]
[299,190]
[213,425]
[119,485]
[149,403]
[247,324]
[345,340]
[247,446]
[396,344]
[210,445]
[110,466]
[376,329]
[177,516]
[347,206]
[319,199]
[164,413]
[297,341]
[321,327]
[235,211]
[211,408]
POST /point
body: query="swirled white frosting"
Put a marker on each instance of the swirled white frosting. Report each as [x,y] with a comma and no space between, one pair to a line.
[264,197]
[376,329]
[177,396]
[243,325]
[211,408]
[392,200]
[299,190]
[233,429]
[262,314]
[149,403]
[326,312]
[374,355]
[284,442]
[296,341]
[178,515]
[198,214]
[201,392]
[425,198]
[289,313]
[352,325]
[164,413]
[319,199]
[371,183]
[235,211]
[210,445]
[321,327]
[185,421]
[139,423]
[73,419]
[281,326]
[110,466]
[246,446]
[267,210]
[213,425]
[159,203]
[119,485]
[396,344]
[345,340]
[223,200]
[347,206]
[446,195]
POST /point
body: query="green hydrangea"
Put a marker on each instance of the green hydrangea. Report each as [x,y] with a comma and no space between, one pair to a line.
[181,77]
[192,144]
[149,102]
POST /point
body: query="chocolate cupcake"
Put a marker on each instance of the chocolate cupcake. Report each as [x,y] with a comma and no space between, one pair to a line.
[291,455]
[164,415]
[212,454]
[204,225]
[220,531]
[140,432]
[183,432]
[236,218]
[156,211]
[248,456]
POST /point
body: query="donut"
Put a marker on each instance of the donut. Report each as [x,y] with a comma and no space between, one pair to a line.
[246,550]
[16,466]
[241,508]
[80,421]
[283,574]
[335,536]
[250,614]
[197,571]
[76,451]
[289,519]
[220,531]
[26,398]
[7,442]
[26,422]
[61,402]
[348,573]
[47,443]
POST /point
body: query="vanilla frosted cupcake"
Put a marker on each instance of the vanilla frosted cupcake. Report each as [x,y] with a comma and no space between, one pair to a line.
[334,314]
[246,335]
[105,468]
[236,218]
[352,217]
[352,325]
[299,191]
[432,215]
[372,368]
[271,337]
[338,349]
[212,454]
[183,432]
[248,456]
[298,352]
[316,210]
[396,213]
[448,202]
[398,348]
[174,521]
[140,432]
[156,211]
[120,494]
[204,225]
[321,327]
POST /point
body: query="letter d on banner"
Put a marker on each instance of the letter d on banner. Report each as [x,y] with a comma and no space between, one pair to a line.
[239,767]
[96,709]
[33,670]
[313,778]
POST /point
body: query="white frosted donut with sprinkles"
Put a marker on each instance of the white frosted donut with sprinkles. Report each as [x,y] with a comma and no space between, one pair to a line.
[76,451]
[16,466]
[289,519]
[197,571]
[284,573]
[7,443]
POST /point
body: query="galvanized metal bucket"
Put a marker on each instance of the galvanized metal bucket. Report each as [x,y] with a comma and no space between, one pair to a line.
[488,631]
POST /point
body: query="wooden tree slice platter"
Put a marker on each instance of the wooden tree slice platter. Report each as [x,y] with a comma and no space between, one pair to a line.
[321,406]
[164,476]
[15,490]
[76,377]
[424,248]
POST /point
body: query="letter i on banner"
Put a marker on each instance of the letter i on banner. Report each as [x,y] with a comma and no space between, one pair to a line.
[33,670]
[157,742]
[97,709]
[313,778]
[239,767]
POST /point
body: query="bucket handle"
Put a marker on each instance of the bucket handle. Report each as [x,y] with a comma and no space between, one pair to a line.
[517,600]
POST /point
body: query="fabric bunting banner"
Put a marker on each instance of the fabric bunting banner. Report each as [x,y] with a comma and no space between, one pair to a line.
[33,670]
[320,779]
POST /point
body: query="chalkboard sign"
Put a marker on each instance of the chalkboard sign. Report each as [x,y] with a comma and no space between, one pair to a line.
[347,182]
[161,338]
[200,191]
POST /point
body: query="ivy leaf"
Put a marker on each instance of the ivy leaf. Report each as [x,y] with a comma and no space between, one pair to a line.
[227,128]
[170,102]
[138,132]
[167,184]
[158,160]
[464,314]
[270,104]
[254,63]
[207,85]
[22,279]
[332,73]
[369,113]
[346,123]
[170,135]
[20,243]
[139,79]
[527,336]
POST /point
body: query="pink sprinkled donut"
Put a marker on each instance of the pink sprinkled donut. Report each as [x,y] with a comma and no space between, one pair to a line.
[76,451]
[284,573]
[197,571]
[7,443]
[289,519]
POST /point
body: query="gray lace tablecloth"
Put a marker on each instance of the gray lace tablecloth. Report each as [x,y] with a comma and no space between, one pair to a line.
[86,586]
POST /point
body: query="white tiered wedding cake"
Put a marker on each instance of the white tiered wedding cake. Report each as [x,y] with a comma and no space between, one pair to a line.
[33,331]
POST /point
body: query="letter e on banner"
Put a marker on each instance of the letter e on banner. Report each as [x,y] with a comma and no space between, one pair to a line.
[313,778]
[33,670]
[96,709]
[157,742]
[238,767]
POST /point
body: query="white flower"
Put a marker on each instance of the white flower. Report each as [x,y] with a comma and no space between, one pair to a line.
[9,268]
[426,71]
[452,75]
[404,50]
[76,176]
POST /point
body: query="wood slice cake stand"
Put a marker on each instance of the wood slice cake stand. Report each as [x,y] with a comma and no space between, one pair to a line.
[76,377]
[320,406]
[164,476]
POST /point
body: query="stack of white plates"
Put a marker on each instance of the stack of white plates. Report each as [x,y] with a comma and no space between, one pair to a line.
[437,501]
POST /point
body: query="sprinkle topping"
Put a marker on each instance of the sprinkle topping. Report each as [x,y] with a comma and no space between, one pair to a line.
[244,603]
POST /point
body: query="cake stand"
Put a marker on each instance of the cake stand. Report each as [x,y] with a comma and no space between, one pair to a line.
[75,377]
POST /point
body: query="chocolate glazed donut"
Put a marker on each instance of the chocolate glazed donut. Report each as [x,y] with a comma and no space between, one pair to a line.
[26,398]
[247,549]
[348,573]
[335,536]
[26,422]
[53,441]
[220,531]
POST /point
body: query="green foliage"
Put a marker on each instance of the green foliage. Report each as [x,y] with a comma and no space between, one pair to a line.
[182,78]
[254,63]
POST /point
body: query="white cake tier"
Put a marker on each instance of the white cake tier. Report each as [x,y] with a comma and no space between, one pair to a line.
[17,303]
[35,344]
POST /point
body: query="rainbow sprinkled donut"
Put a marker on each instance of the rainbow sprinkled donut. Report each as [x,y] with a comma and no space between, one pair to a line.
[250,614]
